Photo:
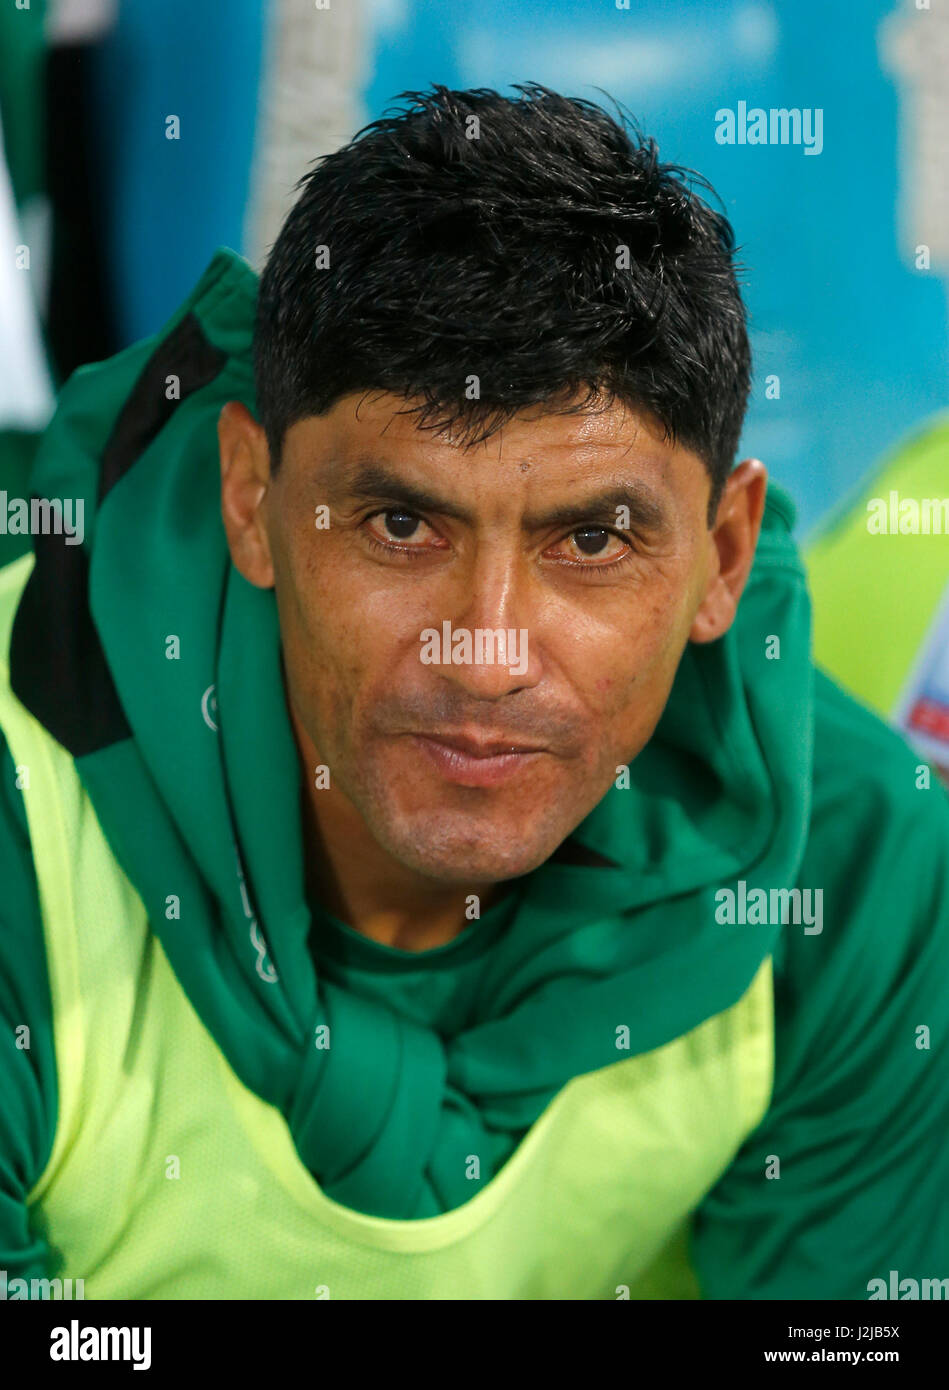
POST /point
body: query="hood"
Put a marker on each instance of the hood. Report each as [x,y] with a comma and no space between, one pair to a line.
[156,665]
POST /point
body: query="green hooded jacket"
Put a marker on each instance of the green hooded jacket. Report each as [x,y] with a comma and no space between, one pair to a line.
[771,829]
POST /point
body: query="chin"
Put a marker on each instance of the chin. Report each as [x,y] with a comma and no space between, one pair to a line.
[452,854]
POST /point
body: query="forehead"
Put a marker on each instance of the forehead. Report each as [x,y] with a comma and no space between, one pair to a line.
[537,452]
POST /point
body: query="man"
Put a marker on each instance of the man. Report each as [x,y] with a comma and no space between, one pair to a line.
[433,866]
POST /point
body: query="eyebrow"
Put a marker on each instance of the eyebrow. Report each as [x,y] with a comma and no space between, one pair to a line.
[373,481]
[646,512]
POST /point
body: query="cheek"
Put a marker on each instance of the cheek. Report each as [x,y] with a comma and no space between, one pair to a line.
[346,642]
[631,665]
[318,635]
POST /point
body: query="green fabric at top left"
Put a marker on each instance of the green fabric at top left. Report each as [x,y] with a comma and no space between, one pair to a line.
[22,95]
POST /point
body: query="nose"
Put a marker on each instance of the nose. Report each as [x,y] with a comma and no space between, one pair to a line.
[486,646]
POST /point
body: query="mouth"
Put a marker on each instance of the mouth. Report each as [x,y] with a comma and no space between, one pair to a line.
[472,762]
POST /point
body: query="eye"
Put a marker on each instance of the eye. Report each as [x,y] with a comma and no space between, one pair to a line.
[594,543]
[592,540]
[402,533]
[399,525]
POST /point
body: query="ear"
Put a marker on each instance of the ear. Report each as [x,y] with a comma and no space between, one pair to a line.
[732,541]
[245,484]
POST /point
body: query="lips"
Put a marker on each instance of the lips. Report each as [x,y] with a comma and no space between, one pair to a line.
[482,748]
[472,762]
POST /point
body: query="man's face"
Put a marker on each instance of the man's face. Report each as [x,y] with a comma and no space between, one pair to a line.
[521,533]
